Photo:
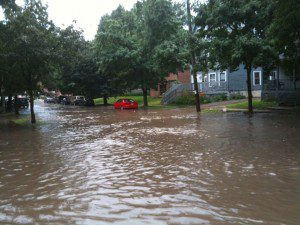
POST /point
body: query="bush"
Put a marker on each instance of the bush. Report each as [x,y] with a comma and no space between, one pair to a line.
[188,98]
[219,97]
[236,96]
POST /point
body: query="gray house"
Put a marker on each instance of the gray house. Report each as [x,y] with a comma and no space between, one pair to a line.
[283,87]
[217,82]
[214,82]
[276,85]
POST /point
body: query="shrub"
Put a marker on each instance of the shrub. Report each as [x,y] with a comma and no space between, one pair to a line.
[219,97]
[236,96]
[188,98]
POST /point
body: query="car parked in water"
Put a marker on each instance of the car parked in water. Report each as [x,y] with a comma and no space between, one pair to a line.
[64,100]
[89,101]
[126,103]
[79,100]
[21,101]
[49,100]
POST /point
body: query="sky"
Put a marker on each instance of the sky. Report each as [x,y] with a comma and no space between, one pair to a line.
[86,13]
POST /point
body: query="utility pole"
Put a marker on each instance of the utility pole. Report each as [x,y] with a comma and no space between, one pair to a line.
[193,59]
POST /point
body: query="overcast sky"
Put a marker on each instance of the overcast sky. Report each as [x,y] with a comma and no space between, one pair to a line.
[87,13]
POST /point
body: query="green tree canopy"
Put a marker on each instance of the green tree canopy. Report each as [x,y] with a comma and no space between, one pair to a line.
[236,31]
[141,46]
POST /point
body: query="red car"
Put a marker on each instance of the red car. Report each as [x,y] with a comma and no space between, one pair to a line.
[126,103]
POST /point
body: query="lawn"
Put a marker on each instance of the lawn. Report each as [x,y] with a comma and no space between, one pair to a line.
[257,104]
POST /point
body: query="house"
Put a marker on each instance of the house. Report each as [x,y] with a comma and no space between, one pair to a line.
[218,81]
[283,87]
[172,79]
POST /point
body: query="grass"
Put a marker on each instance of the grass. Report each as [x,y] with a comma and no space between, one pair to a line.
[19,121]
[257,104]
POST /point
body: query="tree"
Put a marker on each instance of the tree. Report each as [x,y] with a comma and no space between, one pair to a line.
[86,78]
[10,81]
[71,51]
[140,46]
[284,34]
[193,57]
[116,50]
[34,41]
[236,31]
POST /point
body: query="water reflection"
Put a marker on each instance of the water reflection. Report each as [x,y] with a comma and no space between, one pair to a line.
[89,165]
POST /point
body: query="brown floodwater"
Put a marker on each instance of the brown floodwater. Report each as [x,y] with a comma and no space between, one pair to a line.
[99,166]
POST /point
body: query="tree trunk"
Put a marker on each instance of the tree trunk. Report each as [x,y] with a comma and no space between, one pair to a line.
[105,100]
[2,95]
[193,60]
[2,100]
[197,97]
[9,104]
[33,120]
[250,106]
[294,76]
[145,99]
[16,105]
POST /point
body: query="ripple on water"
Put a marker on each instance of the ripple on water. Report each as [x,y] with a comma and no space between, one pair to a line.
[157,167]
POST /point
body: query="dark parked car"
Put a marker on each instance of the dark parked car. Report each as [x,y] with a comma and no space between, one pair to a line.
[89,102]
[50,100]
[64,100]
[79,100]
[22,102]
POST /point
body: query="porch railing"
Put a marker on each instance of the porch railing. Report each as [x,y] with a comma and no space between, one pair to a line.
[174,92]
[281,85]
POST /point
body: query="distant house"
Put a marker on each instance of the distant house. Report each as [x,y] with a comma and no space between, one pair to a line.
[275,85]
[169,81]
[283,87]
[217,81]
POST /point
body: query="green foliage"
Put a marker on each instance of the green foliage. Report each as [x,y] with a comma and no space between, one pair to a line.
[284,34]
[219,97]
[236,32]
[188,98]
[137,48]
[236,96]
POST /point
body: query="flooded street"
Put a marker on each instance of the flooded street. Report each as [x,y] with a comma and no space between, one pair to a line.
[99,165]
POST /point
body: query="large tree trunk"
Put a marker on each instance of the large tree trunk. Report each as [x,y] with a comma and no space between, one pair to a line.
[145,99]
[250,106]
[193,60]
[16,105]
[33,120]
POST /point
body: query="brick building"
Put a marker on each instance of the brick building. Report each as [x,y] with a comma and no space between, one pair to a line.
[162,87]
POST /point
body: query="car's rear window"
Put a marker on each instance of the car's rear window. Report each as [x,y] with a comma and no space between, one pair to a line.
[128,100]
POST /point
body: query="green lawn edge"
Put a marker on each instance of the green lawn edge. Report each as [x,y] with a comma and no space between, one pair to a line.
[257,104]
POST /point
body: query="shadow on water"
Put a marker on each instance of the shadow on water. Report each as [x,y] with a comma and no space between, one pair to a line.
[90,165]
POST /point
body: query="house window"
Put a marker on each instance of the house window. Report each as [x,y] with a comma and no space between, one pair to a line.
[212,79]
[199,76]
[223,77]
[272,75]
[257,78]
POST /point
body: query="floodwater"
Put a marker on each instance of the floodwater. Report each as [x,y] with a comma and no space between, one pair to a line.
[99,166]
